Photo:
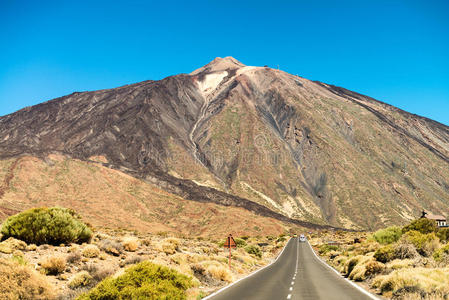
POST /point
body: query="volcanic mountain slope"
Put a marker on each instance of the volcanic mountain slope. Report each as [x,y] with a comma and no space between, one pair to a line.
[229,133]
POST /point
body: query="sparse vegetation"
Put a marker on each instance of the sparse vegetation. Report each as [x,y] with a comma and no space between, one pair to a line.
[78,268]
[53,226]
[400,263]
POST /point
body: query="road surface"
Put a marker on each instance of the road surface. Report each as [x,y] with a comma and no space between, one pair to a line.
[296,274]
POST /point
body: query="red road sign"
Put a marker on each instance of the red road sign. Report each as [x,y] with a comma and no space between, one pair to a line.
[230,243]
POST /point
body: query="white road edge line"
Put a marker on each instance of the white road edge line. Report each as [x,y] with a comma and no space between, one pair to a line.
[349,281]
[251,274]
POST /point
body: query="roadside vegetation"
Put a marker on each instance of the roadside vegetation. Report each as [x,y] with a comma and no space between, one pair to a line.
[410,262]
[50,253]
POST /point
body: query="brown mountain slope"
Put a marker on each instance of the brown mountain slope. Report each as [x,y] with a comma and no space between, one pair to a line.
[294,147]
[110,198]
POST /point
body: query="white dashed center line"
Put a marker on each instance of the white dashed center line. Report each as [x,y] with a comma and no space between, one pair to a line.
[289,296]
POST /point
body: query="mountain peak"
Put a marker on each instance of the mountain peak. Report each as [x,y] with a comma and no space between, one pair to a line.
[220,64]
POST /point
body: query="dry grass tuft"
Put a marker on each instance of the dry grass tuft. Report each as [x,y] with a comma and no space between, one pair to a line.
[53,265]
[170,245]
[111,247]
[131,244]
[399,264]
[91,251]
[21,282]
[73,257]
[81,279]
[429,280]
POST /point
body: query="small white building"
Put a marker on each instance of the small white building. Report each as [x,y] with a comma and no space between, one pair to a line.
[439,219]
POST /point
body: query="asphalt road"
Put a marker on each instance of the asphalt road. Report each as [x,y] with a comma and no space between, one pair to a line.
[297,274]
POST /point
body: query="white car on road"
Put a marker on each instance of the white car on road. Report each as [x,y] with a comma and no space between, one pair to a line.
[302,238]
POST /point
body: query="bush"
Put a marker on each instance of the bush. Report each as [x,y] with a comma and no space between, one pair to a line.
[81,279]
[325,248]
[219,272]
[443,235]
[12,244]
[74,257]
[22,282]
[132,260]
[53,265]
[388,235]
[364,267]
[253,249]
[111,247]
[170,246]
[425,244]
[91,251]
[422,225]
[385,254]
[47,226]
[131,244]
[429,280]
[405,250]
[374,267]
[281,239]
[351,263]
[240,242]
[440,253]
[98,272]
[142,281]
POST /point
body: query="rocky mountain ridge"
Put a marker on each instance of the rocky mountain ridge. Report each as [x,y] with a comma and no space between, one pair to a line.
[277,144]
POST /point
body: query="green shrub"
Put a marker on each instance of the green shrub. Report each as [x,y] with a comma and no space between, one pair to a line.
[53,226]
[425,244]
[253,249]
[443,235]
[422,225]
[385,254]
[388,235]
[281,239]
[440,253]
[142,281]
[240,242]
[325,248]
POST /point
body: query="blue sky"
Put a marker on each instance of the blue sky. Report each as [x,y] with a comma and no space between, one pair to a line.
[394,51]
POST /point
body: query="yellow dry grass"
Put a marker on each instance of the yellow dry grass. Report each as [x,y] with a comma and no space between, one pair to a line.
[21,282]
[91,251]
[130,244]
[53,265]
[427,279]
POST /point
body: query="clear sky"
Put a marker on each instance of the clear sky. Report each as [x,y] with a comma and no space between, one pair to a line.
[394,51]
